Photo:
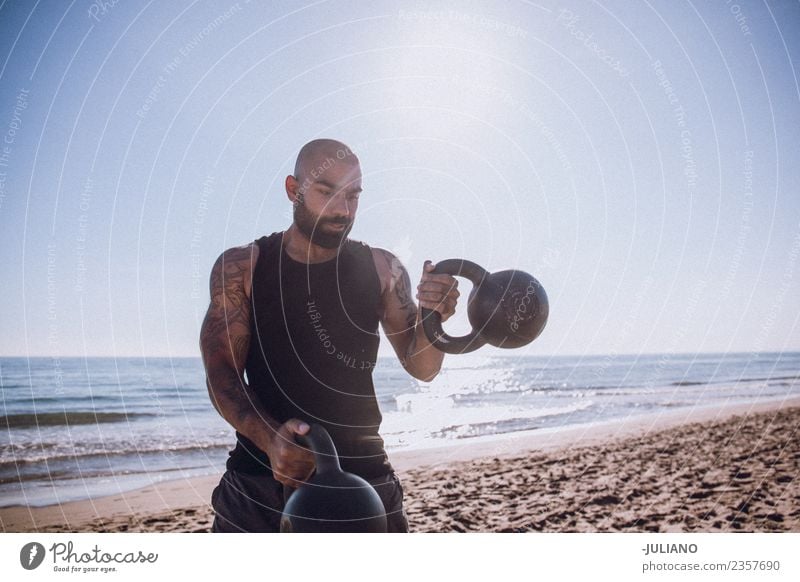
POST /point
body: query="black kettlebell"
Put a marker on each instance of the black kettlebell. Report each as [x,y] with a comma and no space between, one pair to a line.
[332,501]
[507,309]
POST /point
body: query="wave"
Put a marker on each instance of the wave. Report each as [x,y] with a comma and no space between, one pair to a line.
[771,378]
[13,385]
[105,473]
[66,418]
[20,457]
[733,380]
[503,422]
[431,417]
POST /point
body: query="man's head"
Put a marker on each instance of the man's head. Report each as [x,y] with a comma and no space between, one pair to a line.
[324,190]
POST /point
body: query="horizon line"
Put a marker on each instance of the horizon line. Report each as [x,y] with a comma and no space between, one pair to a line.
[393,356]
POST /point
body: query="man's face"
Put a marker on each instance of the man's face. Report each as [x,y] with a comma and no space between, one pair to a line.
[328,202]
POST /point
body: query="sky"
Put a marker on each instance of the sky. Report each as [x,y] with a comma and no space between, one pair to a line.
[639,159]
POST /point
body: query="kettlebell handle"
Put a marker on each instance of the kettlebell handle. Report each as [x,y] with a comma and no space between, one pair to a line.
[321,444]
[432,320]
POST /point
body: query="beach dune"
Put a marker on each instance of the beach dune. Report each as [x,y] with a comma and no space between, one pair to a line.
[724,470]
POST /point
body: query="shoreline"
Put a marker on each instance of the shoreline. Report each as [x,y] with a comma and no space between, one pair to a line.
[550,439]
[449,487]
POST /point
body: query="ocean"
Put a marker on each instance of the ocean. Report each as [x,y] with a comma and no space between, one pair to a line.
[75,428]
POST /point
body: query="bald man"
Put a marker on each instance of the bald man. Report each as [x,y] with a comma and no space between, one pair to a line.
[291,337]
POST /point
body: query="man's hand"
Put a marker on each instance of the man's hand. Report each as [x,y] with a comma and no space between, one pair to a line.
[291,463]
[437,292]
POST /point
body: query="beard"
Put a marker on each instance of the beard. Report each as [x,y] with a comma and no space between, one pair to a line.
[312,226]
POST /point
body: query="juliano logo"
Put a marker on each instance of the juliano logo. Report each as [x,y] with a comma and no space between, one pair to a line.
[31,555]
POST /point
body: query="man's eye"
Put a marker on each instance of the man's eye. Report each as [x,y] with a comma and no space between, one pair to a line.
[326,192]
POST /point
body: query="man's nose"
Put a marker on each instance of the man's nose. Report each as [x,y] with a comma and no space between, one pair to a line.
[339,206]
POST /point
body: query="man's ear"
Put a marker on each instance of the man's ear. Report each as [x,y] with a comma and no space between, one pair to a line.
[293,189]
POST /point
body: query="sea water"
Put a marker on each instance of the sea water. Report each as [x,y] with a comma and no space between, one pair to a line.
[74,428]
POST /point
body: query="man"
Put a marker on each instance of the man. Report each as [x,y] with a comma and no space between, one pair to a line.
[291,337]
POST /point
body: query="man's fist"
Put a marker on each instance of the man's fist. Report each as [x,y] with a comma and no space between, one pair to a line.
[437,292]
[291,463]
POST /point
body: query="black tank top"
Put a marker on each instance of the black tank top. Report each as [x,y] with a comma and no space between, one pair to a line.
[313,346]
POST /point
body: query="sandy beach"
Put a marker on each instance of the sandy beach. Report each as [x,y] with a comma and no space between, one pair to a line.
[729,469]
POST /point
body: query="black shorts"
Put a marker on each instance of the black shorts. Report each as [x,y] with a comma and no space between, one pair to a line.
[254,503]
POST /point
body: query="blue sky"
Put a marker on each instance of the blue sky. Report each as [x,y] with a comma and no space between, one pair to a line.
[640,159]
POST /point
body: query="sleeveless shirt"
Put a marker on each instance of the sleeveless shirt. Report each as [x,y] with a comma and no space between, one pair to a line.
[313,346]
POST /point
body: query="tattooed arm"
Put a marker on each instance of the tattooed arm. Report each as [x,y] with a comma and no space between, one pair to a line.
[225,341]
[401,318]
[224,344]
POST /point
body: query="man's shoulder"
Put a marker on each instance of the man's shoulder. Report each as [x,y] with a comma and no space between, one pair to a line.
[383,259]
[251,250]
[234,267]
[388,266]
[354,244]
[379,256]
[242,253]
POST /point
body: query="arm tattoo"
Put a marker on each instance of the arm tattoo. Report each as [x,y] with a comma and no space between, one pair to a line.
[225,334]
[401,282]
[401,287]
[400,320]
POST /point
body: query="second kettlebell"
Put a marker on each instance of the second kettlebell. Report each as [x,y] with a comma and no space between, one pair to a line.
[332,501]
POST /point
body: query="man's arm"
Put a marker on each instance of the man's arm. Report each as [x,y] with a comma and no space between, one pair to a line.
[224,344]
[401,319]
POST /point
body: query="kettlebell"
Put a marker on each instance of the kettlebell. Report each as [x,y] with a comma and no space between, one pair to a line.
[332,501]
[507,309]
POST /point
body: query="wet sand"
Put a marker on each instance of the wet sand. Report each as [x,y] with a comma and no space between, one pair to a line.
[723,470]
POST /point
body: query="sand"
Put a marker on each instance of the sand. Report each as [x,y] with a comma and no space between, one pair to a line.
[729,469]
